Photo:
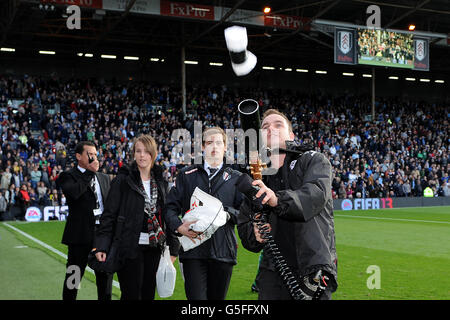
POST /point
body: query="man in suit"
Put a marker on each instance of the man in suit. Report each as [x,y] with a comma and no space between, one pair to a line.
[85,190]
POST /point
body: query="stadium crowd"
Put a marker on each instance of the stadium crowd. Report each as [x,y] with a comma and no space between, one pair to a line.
[402,152]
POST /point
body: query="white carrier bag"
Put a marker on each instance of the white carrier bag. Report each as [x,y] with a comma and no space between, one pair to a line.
[210,214]
[166,275]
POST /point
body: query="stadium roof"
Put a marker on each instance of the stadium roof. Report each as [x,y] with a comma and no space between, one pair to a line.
[107,27]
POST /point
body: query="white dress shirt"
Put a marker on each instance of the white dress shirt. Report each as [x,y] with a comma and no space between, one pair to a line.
[206,166]
[97,189]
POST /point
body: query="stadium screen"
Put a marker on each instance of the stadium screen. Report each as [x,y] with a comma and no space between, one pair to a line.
[385,48]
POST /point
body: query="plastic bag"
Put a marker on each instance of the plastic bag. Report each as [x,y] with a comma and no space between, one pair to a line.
[210,216]
[166,275]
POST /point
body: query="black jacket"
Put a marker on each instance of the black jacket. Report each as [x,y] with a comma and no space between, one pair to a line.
[80,198]
[222,246]
[125,199]
[309,205]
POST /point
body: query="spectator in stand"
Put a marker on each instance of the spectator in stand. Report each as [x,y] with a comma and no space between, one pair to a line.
[406,188]
[10,195]
[54,198]
[41,190]
[23,200]
[34,199]
[6,179]
[35,175]
[446,189]
[3,206]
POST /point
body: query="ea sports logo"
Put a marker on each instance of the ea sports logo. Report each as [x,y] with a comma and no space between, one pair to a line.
[347,205]
[33,214]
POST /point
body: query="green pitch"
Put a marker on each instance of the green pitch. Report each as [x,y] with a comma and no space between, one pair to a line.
[409,247]
[384,63]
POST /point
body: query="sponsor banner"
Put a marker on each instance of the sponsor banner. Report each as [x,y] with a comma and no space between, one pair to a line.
[192,11]
[56,213]
[33,214]
[94,4]
[344,46]
[366,204]
[187,10]
[388,203]
[421,54]
[286,22]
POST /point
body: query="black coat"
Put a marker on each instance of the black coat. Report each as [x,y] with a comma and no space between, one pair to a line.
[125,199]
[80,223]
[222,246]
[308,204]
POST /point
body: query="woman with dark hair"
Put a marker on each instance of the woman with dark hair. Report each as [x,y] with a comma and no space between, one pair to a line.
[137,193]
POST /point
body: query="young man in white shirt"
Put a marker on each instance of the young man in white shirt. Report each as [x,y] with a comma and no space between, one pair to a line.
[207,268]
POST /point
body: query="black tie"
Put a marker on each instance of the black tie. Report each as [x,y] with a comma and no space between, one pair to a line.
[211,172]
[97,203]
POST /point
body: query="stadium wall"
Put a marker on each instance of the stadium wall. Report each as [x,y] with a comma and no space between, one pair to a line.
[389,203]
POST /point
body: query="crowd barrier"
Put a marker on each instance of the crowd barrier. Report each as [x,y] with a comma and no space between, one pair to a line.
[389,203]
[39,213]
[36,213]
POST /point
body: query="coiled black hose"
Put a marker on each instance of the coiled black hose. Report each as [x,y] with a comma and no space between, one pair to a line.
[282,267]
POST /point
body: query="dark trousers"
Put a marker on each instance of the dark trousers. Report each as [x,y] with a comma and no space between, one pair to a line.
[137,278]
[77,258]
[271,287]
[206,279]
[23,211]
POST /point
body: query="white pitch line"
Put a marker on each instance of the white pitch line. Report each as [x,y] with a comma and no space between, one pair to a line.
[43,244]
[395,219]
